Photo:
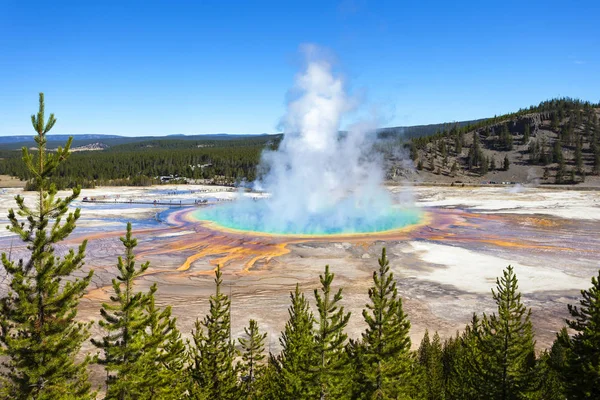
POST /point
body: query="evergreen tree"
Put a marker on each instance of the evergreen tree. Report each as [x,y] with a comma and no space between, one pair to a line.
[420,165]
[384,362]
[39,334]
[582,372]
[454,169]
[253,347]
[460,357]
[506,343]
[330,373]
[298,354]
[142,350]
[550,369]
[213,352]
[492,164]
[430,356]
[557,153]
[526,133]
[506,164]
[164,361]
[578,156]
[484,165]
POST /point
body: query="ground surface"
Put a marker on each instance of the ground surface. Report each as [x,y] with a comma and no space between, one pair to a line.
[445,267]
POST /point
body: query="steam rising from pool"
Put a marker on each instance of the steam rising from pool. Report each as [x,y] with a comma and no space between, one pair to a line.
[320,182]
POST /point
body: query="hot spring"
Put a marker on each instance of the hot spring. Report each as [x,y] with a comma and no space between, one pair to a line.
[345,219]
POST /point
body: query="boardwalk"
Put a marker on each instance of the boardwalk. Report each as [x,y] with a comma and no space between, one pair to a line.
[174,203]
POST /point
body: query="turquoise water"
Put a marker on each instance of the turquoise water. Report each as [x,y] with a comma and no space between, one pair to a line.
[258,216]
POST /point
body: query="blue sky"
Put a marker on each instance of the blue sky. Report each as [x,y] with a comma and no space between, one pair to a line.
[169,67]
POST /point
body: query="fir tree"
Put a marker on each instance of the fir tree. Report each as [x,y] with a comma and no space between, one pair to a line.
[454,169]
[383,359]
[460,358]
[39,334]
[213,352]
[506,164]
[526,133]
[506,344]
[253,347]
[164,360]
[298,354]
[142,350]
[330,372]
[550,369]
[582,372]
[578,156]
[430,356]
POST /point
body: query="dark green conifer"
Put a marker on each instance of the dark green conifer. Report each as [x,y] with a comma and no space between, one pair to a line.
[526,133]
[252,365]
[331,372]
[142,350]
[213,351]
[506,344]
[298,354]
[39,334]
[506,164]
[582,373]
[551,366]
[384,362]
[430,357]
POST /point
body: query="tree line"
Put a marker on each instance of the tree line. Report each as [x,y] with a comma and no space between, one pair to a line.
[141,163]
[145,356]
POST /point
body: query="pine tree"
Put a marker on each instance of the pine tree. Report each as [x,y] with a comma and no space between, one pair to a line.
[582,373]
[142,350]
[39,334]
[213,352]
[506,164]
[430,356]
[526,133]
[164,360]
[252,366]
[298,354]
[383,359]
[461,356]
[330,372]
[454,169]
[551,366]
[578,156]
[492,164]
[506,344]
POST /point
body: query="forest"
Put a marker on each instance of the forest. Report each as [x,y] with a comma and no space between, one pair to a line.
[146,357]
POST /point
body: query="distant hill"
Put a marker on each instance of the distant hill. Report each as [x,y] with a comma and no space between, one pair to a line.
[555,142]
[422,130]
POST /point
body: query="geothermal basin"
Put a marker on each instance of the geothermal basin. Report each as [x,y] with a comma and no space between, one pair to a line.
[445,253]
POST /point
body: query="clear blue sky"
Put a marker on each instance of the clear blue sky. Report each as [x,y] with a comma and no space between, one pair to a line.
[167,67]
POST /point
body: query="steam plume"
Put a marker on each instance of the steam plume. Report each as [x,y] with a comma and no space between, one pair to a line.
[320,181]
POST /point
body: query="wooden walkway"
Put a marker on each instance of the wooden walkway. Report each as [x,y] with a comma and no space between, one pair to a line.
[152,203]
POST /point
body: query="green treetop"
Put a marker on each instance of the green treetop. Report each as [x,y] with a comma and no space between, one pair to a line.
[330,339]
[582,374]
[384,359]
[252,365]
[39,334]
[506,344]
[298,354]
[213,371]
